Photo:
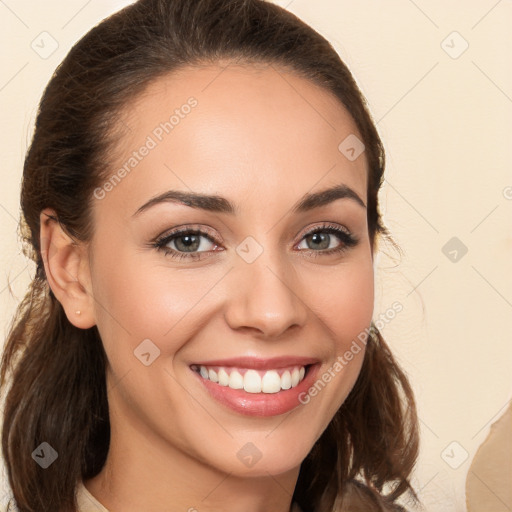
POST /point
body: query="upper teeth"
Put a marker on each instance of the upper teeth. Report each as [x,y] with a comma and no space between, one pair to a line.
[253,381]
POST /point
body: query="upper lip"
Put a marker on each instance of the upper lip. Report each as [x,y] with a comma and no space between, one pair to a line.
[259,363]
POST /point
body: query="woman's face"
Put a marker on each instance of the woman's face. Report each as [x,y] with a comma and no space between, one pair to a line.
[256,295]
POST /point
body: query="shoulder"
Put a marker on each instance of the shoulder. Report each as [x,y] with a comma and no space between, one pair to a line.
[295,507]
[86,501]
[10,506]
[358,497]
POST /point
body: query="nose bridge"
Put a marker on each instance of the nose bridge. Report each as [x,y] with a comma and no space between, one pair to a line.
[263,295]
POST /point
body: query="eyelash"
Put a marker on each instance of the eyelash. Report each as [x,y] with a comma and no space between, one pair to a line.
[348,240]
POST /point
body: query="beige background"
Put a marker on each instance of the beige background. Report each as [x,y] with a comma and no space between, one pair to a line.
[446,118]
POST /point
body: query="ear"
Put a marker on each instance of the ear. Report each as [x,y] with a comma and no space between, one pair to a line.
[67,269]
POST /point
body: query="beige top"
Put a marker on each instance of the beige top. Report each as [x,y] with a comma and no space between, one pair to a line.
[88,503]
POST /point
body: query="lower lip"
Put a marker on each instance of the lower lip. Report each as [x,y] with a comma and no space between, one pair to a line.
[261,404]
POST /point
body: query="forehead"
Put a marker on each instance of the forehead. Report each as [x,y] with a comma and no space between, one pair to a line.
[245,132]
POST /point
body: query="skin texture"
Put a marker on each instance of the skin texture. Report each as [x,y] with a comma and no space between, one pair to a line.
[261,137]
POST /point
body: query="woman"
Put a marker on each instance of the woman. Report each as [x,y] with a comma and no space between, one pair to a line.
[185,345]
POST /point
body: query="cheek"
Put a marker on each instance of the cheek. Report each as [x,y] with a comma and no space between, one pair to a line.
[138,297]
[343,301]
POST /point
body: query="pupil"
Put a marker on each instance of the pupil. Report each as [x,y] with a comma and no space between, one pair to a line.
[188,241]
[322,237]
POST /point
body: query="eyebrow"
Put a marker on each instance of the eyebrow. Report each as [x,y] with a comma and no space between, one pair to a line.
[219,204]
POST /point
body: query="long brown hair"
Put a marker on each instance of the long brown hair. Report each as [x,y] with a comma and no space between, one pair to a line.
[58,391]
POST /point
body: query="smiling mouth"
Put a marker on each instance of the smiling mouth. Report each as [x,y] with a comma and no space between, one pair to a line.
[254,381]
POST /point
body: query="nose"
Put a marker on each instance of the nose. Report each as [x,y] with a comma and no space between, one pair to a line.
[265,298]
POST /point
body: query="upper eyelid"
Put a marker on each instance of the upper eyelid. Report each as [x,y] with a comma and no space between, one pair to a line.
[202,231]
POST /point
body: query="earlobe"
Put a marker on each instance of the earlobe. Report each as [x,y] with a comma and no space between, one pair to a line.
[67,270]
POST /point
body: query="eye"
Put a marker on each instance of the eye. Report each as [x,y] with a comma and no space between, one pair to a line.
[196,244]
[322,236]
[185,241]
